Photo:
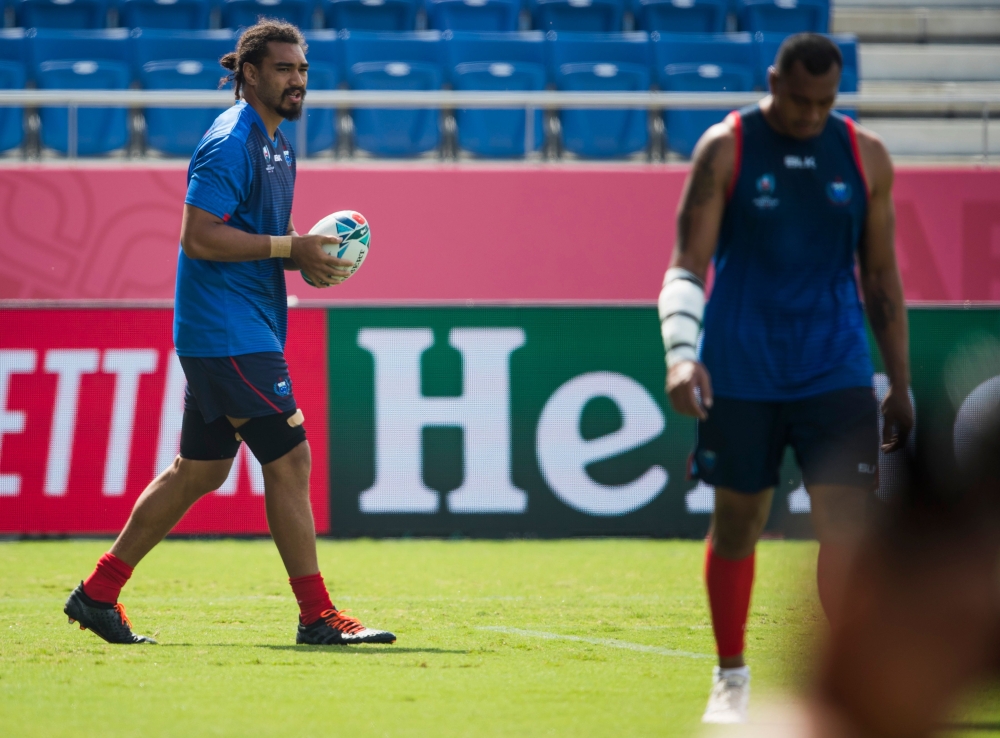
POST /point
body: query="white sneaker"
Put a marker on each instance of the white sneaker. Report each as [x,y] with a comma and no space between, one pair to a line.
[730,696]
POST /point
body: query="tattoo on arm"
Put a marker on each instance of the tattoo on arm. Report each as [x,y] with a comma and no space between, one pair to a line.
[881,309]
[700,191]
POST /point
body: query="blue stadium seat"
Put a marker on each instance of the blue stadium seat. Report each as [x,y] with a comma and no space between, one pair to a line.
[401,61]
[578,16]
[767,50]
[586,62]
[244,13]
[701,63]
[681,16]
[13,76]
[324,74]
[784,16]
[473,15]
[179,60]
[69,14]
[191,15]
[88,60]
[496,61]
[371,15]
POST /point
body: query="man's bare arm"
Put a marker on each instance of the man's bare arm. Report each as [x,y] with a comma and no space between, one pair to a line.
[699,217]
[883,289]
[289,264]
[703,200]
[206,236]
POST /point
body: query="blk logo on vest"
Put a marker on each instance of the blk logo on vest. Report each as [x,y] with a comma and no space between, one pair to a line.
[766,186]
[839,192]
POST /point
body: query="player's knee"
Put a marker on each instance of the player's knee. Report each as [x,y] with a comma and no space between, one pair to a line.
[198,478]
[274,437]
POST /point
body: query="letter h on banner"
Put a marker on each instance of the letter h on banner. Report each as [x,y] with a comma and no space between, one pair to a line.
[482,412]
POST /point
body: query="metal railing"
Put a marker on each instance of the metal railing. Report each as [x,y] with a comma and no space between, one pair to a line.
[530,102]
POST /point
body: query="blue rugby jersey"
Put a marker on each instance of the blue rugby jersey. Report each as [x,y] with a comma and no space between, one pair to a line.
[784,320]
[238,174]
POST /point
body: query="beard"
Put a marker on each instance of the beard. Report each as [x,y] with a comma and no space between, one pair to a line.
[289,110]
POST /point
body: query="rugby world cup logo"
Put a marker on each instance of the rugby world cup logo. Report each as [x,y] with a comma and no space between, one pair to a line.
[766,187]
[839,192]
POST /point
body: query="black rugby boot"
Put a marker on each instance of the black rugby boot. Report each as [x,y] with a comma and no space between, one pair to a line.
[109,621]
[335,628]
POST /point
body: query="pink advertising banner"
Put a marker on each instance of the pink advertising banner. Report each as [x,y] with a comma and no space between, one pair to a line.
[575,233]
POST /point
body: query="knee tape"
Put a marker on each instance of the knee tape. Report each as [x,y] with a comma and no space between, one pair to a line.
[273,436]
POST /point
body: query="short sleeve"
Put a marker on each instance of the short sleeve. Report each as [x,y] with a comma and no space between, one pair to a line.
[220,176]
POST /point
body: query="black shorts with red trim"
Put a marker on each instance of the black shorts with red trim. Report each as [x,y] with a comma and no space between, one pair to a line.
[247,386]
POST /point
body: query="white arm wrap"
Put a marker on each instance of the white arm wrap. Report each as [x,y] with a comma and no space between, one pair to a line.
[681,306]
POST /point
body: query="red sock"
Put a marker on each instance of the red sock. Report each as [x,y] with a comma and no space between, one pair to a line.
[109,576]
[830,572]
[310,593]
[729,586]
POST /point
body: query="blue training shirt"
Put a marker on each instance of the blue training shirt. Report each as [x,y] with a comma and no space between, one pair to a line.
[240,175]
[784,320]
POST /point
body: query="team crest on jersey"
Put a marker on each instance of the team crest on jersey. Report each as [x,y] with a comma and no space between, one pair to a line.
[766,186]
[283,387]
[267,153]
[839,192]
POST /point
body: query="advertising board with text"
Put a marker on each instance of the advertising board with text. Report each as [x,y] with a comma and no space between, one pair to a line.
[473,421]
[552,421]
[90,411]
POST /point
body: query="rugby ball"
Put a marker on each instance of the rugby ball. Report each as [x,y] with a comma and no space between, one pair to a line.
[355,233]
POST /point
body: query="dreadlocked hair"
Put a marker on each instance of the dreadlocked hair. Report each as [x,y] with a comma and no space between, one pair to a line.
[252,48]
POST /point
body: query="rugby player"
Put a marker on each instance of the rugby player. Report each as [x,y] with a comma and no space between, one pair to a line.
[786,196]
[230,321]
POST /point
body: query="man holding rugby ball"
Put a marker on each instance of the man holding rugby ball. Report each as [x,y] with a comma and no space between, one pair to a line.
[230,323]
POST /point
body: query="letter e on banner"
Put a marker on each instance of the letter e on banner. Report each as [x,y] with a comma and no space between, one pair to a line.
[563,454]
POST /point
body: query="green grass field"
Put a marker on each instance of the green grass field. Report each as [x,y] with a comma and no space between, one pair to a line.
[471,659]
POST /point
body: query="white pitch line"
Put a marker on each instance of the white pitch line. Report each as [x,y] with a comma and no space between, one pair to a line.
[610,642]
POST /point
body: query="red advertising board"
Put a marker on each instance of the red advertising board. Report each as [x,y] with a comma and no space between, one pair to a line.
[457,233]
[90,411]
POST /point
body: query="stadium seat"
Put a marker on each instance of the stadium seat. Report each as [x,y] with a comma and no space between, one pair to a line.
[496,61]
[179,60]
[681,16]
[784,16]
[13,76]
[580,16]
[395,61]
[191,15]
[473,15]
[606,62]
[62,60]
[69,14]
[701,63]
[769,43]
[244,13]
[371,15]
[324,74]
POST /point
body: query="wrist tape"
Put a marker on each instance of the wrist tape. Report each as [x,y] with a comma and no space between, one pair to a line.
[281,247]
[681,307]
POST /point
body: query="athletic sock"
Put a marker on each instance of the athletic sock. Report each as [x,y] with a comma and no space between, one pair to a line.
[729,586]
[108,578]
[310,593]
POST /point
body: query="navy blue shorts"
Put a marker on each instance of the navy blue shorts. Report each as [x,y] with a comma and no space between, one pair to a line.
[834,437]
[247,386]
